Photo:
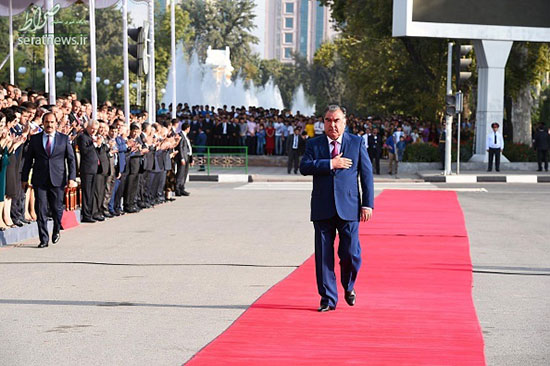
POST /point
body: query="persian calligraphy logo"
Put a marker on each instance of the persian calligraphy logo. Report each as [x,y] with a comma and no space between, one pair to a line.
[34,29]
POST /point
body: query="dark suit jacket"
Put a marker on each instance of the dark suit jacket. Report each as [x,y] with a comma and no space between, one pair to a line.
[122,152]
[290,142]
[336,192]
[104,161]
[183,150]
[88,154]
[49,169]
[375,146]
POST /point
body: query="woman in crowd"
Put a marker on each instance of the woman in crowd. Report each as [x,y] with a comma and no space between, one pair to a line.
[269,138]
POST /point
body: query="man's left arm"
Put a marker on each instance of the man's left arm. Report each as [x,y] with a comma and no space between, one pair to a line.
[71,163]
[367,183]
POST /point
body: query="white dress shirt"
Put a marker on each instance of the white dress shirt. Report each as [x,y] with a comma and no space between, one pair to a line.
[491,140]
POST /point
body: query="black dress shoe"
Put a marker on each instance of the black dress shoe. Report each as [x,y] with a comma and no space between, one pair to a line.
[350,297]
[108,215]
[55,237]
[87,219]
[170,199]
[42,245]
[18,223]
[114,213]
[130,210]
[185,193]
[324,308]
[99,218]
[25,221]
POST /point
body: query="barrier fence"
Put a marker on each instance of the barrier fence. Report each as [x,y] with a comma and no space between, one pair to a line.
[209,158]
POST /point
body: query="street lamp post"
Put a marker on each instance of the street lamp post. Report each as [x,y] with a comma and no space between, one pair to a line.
[32,64]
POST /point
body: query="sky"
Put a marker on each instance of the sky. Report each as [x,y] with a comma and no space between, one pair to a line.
[138,13]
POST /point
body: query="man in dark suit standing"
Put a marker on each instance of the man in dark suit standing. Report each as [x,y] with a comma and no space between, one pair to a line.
[336,161]
[47,154]
[375,149]
[294,148]
[88,143]
[541,143]
[183,160]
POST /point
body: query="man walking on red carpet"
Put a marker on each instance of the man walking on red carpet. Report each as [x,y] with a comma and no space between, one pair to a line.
[336,160]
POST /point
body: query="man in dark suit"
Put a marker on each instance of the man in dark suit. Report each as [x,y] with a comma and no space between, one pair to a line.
[541,143]
[295,145]
[87,143]
[134,163]
[47,154]
[336,161]
[375,149]
[183,159]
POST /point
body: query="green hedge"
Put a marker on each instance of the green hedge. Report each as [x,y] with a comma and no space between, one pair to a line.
[421,153]
[519,152]
[429,153]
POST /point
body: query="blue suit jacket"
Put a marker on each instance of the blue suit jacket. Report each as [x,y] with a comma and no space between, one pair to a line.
[122,149]
[337,191]
[46,168]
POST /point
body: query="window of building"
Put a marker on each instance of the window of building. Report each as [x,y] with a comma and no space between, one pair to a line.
[289,37]
[288,52]
[289,22]
[289,8]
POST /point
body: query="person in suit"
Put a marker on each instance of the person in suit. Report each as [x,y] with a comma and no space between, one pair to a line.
[133,166]
[336,161]
[48,155]
[183,160]
[104,170]
[375,149]
[121,172]
[541,143]
[87,144]
[295,145]
[495,145]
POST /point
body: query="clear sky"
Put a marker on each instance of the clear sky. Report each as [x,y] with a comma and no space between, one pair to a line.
[138,13]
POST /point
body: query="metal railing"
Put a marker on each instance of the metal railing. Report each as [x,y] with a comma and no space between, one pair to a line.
[207,158]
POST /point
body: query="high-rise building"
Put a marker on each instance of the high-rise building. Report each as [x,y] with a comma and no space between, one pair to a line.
[295,26]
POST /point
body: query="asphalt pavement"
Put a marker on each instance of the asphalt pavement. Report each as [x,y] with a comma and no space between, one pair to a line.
[154,288]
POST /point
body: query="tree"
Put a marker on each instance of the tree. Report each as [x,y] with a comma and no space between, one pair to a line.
[385,74]
[527,64]
[225,23]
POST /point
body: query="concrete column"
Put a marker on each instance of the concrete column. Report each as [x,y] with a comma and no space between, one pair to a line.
[491,62]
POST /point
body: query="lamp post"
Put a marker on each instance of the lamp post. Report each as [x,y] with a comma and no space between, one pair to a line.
[32,64]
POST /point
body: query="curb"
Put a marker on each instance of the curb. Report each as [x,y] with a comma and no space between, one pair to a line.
[17,234]
[512,178]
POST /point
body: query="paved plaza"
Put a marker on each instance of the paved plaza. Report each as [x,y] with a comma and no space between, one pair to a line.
[154,288]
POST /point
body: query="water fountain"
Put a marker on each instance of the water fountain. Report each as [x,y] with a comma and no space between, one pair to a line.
[300,103]
[201,84]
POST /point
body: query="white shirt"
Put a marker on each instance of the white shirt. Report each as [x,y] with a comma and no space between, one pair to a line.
[366,139]
[188,143]
[491,140]
[319,128]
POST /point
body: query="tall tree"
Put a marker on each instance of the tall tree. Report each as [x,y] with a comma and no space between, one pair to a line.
[225,23]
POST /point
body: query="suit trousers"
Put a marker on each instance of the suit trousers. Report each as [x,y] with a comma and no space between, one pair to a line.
[375,159]
[349,252]
[542,156]
[99,194]
[494,153]
[118,193]
[109,188]
[44,197]
[17,212]
[162,184]
[142,186]
[131,190]
[152,186]
[293,160]
[87,182]
[181,177]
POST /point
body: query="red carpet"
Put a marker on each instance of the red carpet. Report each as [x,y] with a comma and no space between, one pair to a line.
[414,303]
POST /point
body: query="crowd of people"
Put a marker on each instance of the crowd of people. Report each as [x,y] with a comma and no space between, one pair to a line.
[126,166]
[273,132]
[123,168]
